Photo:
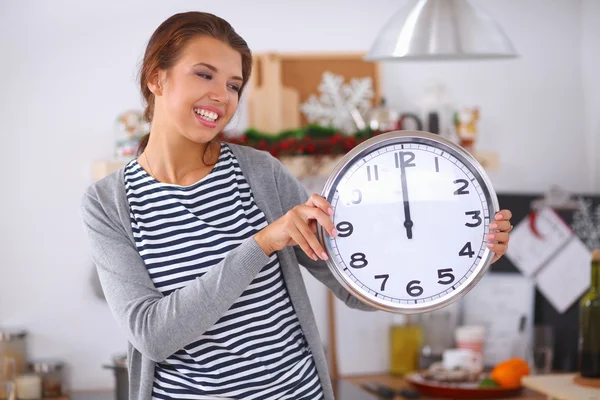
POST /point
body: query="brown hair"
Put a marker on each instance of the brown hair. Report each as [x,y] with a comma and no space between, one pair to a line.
[167,42]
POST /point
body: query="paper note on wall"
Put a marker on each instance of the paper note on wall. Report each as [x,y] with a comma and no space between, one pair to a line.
[530,250]
[566,276]
[500,302]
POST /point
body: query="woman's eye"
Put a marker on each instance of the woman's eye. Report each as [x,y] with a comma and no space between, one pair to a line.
[235,87]
[205,76]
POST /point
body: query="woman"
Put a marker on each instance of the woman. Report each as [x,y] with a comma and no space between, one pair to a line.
[197,243]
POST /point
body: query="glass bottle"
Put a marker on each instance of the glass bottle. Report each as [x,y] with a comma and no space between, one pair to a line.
[589,324]
[405,343]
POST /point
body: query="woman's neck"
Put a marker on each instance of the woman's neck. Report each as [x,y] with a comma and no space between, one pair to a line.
[172,158]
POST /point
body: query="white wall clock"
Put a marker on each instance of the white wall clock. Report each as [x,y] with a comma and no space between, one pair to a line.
[412,210]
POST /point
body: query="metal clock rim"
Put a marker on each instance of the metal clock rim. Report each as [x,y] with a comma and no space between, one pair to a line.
[381,141]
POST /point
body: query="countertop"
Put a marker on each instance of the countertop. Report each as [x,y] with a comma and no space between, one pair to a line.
[344,390]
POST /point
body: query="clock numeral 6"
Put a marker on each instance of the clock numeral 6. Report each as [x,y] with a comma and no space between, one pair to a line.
[476,216]
[344,229]
[385,278]
[462,189]
[413,288]
[445,276]
[358,260]
[467,251]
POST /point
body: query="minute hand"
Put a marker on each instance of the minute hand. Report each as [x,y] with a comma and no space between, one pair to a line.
[408,223]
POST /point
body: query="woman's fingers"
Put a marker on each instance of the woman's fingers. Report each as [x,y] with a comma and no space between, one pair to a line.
[500,237]
[301,240]
[310,214]
[503,215]
[503,226]
[309,236]
[319,202]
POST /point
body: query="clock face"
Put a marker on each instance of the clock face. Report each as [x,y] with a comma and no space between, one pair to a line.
[412,216]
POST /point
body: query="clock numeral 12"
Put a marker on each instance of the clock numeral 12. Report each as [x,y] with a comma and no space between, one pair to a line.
[402,161]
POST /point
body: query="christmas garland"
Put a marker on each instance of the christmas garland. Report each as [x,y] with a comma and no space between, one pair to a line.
[311,140]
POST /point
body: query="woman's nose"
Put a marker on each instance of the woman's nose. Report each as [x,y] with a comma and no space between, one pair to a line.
[218,93]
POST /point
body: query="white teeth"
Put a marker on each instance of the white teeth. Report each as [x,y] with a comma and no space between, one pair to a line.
[207,115]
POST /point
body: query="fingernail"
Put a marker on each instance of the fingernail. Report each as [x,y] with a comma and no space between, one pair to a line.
[490,245]
[314,256]
[493,226]
[498,216]
[330,211]
[324,256]
[490,236]
[334,232]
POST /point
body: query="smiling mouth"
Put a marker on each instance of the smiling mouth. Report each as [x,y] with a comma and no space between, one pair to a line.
[209,116]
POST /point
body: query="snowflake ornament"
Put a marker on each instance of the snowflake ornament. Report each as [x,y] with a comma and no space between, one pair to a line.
[337,100]
[586,224]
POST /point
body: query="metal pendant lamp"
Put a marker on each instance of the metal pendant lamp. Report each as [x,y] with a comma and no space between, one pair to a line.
[441,30]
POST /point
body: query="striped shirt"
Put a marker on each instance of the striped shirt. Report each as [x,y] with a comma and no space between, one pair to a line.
[257,349]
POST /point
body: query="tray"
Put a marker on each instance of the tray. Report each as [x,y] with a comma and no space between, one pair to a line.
[459,390]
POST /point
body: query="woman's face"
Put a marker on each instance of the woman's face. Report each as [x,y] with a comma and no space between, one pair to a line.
[201,92]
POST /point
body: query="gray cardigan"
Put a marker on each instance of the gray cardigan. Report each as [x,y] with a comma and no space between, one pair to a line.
[157,326]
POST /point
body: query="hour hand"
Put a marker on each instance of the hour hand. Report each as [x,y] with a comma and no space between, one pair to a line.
[408,224]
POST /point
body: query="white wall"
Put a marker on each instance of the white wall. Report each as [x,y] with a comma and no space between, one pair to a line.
[590,67]
[68,67]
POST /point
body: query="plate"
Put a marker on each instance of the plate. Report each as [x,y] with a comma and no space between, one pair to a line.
[458,390]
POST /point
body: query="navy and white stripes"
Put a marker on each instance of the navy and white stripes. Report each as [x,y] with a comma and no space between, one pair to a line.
[257,349]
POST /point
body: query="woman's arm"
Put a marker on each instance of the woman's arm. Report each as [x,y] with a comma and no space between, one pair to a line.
[156,325]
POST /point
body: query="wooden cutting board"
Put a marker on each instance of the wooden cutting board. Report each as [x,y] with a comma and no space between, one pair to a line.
[281,82]
[272,107]
[560,386]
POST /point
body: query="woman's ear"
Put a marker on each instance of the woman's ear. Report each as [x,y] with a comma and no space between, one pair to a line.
[156,83]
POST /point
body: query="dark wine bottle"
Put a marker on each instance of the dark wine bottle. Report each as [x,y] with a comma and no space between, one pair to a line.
[589,324]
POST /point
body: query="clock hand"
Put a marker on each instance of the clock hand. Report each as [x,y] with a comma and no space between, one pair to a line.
[408,223]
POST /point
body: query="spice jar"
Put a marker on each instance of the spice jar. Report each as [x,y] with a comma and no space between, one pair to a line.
[29,387]
[51,372]
[13,344]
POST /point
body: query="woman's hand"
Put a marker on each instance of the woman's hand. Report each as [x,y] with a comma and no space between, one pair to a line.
[498,236]
[298,227]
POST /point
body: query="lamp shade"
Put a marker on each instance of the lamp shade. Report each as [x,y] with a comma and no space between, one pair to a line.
[441,30]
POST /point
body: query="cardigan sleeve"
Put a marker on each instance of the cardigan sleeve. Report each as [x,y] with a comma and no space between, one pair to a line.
[157,325]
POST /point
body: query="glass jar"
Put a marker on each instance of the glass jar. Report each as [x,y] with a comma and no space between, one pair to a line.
[13,345]
[29,387]
[51,372]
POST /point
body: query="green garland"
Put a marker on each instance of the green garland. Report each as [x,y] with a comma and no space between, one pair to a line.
[310,140]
